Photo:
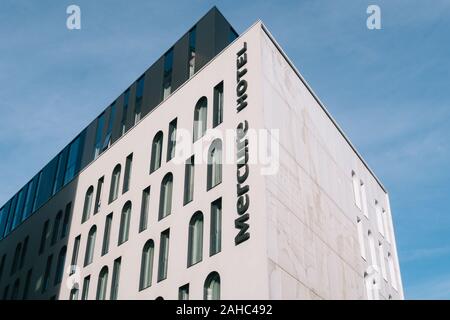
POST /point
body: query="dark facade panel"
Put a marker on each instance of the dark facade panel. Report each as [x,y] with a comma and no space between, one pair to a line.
[46,183]
[222,32]
[205,47]
[155,73]
[146,96]
[180,71]
[117,125]
[89,141]
[130,113]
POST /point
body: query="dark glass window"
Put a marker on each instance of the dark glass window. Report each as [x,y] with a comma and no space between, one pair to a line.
[216,227]
[189,180]
[139,95]
[163,255]
[157,144]
[167,80]
[98,195]
[107,234]
[218,105]
[145,204]
[112,116]
[46,279]
[60,265]
[127,175]
[126,98]
[56,225]
[171,142]
[192,39]
[73,160]
[66,221]
[99,135]
[30,198]
[19,208]
[44,236]
[115,279]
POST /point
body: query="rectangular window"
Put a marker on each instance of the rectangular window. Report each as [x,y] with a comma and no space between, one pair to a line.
[10,220]
[373,254]
[364,200]
[163,255]
[19,208]
[167,79]
[44,236]
[379,215]
[189,180]
[126,98]
[112,116]
[172,139]
[38,188]
[386,225]
[216,227]
[139,98]
[218,105]
[127,177]
[72,161]
[98,195]
[48,269]
[30,196]
[382,260]
[392,272]
[61,167]
[356,191]
[362,246]
[66,221]
[192,39]
[3,218]
[85,292]
[99,135]
[26,288]
[24,253]
[144,209]
[2,265]
[107,234]
[183,292]
[76,249]
[115,279]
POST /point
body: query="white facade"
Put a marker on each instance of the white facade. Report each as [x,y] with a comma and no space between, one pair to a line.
[305,240]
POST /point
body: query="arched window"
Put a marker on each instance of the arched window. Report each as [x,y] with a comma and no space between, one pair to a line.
[124,223]
[165,199]
[115,180]
[214,164]
[102,283]
[159,298]
[87,204]
[195,243]
[74,293]
[157,144]
[212,287]
[147,265]
[60,265]
[56,225]
[90,245]
[200,115]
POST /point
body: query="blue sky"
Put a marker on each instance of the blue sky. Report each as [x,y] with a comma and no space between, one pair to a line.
[388,89]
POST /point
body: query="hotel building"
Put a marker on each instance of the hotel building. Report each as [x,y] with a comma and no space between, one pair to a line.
[218,174]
